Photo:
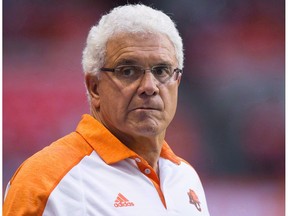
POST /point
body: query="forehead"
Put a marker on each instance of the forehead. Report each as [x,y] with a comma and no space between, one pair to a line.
[139,47]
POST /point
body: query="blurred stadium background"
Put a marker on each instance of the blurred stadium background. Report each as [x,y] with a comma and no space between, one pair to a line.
[230,119]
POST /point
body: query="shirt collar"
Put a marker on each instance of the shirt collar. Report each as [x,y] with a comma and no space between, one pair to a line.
[108,147]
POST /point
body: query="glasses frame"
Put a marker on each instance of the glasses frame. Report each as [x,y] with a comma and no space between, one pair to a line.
[113,70]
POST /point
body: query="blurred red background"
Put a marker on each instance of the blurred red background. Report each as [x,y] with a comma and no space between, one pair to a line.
[230,119]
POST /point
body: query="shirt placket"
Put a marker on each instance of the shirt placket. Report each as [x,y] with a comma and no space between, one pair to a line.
[149,172]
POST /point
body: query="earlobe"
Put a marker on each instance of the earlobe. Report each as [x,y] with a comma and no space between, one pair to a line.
[92,87]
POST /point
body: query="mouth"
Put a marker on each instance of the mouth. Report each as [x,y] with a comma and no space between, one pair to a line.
[146,109]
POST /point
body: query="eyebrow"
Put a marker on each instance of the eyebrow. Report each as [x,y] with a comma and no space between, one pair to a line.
[126,62]
[135,62]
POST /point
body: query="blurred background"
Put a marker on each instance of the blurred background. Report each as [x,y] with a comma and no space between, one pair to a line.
[230,119]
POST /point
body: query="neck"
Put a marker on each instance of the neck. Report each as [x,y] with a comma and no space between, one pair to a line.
[148,149]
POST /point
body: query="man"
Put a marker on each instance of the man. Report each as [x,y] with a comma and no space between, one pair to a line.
[117,161]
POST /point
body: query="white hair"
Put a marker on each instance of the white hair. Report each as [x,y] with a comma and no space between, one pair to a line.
[128,19]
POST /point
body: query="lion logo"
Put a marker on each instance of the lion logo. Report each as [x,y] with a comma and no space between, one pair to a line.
[193,199]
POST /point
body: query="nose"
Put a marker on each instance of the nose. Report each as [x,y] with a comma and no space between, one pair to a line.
[148,84]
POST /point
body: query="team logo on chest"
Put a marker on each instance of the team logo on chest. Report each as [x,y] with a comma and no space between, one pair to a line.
[193,199]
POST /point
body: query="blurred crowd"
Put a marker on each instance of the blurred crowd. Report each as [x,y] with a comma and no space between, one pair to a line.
[230,117]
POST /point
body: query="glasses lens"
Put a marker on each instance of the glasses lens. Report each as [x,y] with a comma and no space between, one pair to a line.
[162,73]
[128,73]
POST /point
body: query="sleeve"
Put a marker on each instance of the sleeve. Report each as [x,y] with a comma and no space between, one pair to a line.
[29,189]
[25,195]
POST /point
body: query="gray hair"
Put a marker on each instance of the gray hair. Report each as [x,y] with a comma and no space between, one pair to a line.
[128,19]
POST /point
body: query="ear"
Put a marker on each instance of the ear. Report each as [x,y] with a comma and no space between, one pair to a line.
[179,79]
[92,84]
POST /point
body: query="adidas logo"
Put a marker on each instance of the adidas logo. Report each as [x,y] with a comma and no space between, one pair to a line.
[122,201]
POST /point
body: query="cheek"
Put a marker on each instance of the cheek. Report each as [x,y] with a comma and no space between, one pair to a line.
[170,98]
[109,111]
[173,106]
[172,103]
[113,104]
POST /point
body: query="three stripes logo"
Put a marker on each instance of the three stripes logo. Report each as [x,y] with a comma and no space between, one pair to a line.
[122,201]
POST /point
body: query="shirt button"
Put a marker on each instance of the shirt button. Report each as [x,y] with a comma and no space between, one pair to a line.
[147,171]
[138,160]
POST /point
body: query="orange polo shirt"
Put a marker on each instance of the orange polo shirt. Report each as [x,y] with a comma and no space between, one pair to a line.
[90,172]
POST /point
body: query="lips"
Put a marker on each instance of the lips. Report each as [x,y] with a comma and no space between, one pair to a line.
[147,107]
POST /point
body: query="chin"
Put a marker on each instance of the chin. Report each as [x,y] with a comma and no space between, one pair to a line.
[148,126]
[148,130]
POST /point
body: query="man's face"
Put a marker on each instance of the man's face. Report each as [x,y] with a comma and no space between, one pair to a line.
[143,108]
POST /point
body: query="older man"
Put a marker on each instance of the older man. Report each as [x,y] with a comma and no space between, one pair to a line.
[117,161]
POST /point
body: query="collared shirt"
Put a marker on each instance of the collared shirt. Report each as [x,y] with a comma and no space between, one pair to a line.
[90,172]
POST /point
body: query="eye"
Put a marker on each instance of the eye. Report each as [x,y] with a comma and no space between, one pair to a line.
[161,71]
[127,71]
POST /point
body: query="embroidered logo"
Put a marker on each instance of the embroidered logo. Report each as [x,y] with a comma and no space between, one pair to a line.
[122,201]
[193,199]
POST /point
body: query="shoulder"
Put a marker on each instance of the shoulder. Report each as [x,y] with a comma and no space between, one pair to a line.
[57,157]
[185,170]
[186,164]
[37,177]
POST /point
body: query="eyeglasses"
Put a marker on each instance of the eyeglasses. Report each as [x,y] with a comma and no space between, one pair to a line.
[131,73]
